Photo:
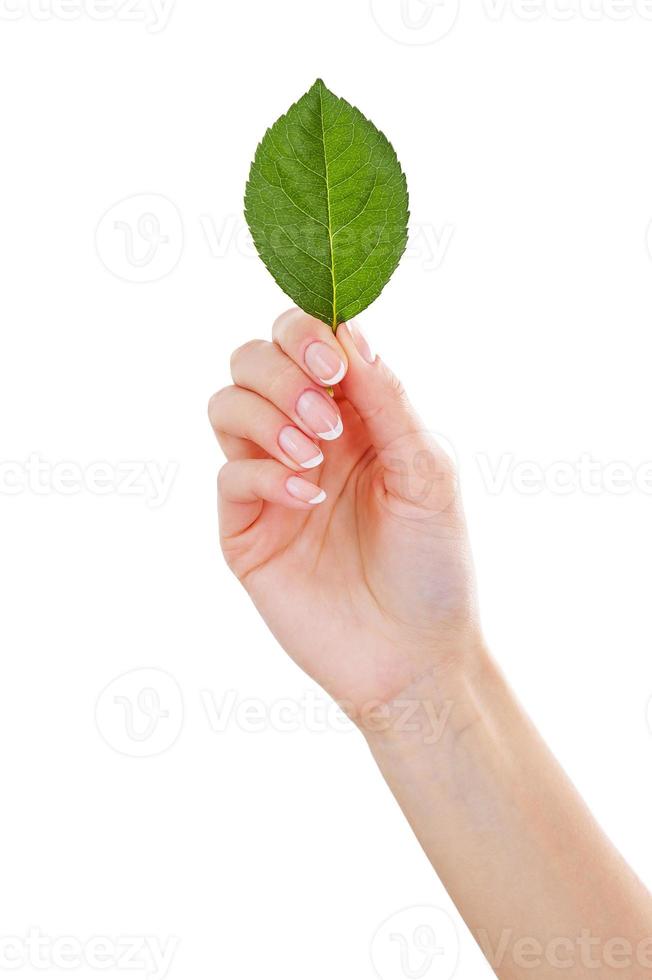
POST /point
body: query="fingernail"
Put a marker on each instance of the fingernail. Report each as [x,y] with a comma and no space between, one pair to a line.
[320,414]
[361,342]
[299,447]
[302,490]
[324,363]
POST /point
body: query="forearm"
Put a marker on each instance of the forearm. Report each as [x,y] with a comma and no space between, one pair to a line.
[539,885]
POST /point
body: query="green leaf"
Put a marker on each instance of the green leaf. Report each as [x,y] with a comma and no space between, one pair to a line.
[327,206]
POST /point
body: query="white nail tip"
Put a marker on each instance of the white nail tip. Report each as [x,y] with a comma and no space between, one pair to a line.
[321,496]
[333,433]
[315,461]
[336,377]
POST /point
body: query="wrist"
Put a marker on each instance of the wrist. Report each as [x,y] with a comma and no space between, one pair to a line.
[435,708]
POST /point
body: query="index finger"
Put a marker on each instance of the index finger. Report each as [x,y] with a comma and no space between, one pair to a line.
[312,345]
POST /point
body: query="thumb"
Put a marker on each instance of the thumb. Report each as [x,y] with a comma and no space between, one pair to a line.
[417,470]
[374,391]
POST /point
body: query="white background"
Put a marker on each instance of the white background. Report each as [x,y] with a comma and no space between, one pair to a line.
[519,322]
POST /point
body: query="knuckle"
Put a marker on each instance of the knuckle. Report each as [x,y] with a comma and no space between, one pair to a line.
[283,378]
[280,330]
[261,472]
[395,394]
[241,353]
[394,385]
[292,326]
[223,475]
[216,404]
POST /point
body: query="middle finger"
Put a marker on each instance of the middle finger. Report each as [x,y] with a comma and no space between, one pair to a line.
[262,367]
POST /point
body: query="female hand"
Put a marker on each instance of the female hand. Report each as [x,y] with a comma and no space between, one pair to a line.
[370,589]
[341,516]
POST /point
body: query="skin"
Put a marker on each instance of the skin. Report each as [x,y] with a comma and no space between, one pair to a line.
[371,591]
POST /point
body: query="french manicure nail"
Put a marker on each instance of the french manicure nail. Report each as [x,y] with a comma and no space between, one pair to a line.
[320,414]
[299,447]
[324,363]
[361,342]
[302,490]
